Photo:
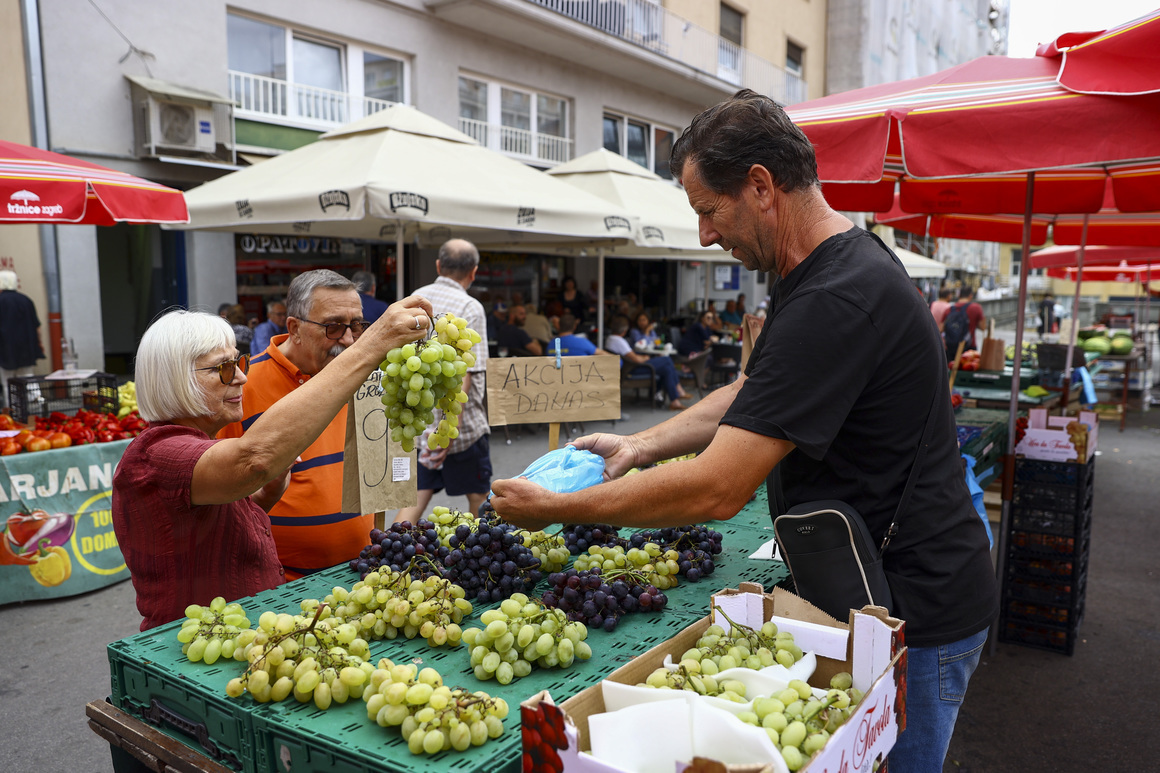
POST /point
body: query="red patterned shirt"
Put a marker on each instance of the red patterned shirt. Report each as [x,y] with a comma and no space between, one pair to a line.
[177,553]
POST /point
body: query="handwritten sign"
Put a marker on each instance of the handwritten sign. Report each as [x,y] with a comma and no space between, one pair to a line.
[529,390]
[377,474]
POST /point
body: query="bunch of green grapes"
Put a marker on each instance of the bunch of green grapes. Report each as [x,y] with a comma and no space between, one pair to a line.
[431,716]
[522,633]
[425,375]
[446,520]
[309,658]
[650,560]
[209,633]
[686,678]
[742,647]
[800,724]
[386,603]
[549,548]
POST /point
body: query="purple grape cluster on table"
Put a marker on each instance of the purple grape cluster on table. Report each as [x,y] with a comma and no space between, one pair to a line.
[490,562]
[600,601]
[696,544]
[395,546]
[578,537]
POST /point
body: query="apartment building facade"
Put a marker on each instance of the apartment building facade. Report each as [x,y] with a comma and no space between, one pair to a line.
[182,92]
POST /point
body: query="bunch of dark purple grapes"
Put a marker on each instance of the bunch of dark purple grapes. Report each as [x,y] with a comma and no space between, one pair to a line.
[696,545]
[578,537]
[397,545]
[599,600]
[490,562]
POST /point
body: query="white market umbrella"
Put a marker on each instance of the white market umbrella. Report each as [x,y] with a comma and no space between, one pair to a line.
[919,267]
[668,226]
[401,173]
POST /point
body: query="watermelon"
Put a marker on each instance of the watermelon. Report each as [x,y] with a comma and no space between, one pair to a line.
[1091,332]
[1122,344]
[1099,344]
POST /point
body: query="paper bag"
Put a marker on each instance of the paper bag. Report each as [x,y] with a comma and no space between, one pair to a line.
[377,474]
[751,329]
[992,356]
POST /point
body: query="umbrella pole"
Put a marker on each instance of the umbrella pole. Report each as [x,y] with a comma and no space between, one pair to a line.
[1013,411]
[600,300]
[1074,318]
[399,262]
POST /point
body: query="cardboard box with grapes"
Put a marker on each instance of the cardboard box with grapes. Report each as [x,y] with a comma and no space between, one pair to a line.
[865,656]
[1059,438]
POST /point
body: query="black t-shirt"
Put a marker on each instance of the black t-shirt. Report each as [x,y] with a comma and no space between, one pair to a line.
[846,367]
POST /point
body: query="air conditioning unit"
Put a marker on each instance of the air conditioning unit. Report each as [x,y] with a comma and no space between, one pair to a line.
[178,126]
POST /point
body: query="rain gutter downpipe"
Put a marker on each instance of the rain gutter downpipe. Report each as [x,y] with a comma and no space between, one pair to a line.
[49,254]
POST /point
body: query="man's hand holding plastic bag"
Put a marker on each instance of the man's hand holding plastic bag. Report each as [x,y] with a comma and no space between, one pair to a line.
[520,500]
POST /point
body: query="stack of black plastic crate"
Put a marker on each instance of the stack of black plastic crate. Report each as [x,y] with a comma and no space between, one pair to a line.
[1047,554]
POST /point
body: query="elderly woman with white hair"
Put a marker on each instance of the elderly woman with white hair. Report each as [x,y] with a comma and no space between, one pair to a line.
[190,511]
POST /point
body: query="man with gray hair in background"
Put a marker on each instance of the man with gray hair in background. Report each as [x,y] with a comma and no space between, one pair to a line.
[364,282]
[274,325]
[464,467]
[323,317]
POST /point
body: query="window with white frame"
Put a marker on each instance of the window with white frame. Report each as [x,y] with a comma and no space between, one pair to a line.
[732,25]
[640,141]
[514,120]
[277,72]
[795,57]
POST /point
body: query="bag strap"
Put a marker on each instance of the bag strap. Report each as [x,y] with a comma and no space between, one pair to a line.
[919,456]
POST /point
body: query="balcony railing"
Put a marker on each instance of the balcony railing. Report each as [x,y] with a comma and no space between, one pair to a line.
[520,143]
[651,26]
[259,96]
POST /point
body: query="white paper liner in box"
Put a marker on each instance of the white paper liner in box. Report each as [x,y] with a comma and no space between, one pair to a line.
[652,738]
[766,682]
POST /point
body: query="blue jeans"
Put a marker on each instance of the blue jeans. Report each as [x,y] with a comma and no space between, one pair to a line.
[936,681]
[667,377]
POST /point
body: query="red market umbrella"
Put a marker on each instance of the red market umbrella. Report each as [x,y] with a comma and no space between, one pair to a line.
[1068,256]
[1122,60]
[38,186]
[1124,272]
[1108,226]
[996,135]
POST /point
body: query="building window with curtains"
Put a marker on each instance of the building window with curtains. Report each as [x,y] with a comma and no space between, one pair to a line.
[640,141]
[732,23]
[519,122]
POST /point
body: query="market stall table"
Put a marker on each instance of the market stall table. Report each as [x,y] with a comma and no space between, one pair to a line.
[152,681]
[990,397]
[1129,361]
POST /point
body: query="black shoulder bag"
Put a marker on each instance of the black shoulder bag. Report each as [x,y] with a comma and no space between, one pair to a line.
[830,553]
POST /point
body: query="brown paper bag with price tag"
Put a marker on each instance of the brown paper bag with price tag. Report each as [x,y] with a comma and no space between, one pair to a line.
[377,474]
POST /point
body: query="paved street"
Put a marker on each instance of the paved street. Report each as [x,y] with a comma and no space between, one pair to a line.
[1027,709]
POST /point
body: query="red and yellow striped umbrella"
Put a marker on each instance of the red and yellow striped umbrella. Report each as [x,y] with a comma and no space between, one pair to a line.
[1134,66]
[38,186]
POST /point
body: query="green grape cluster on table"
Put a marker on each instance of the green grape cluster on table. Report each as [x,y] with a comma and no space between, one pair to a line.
[305,657]
[431,716]
[742,647]
[209,633]
[427,375]
[385,604]
[522,633]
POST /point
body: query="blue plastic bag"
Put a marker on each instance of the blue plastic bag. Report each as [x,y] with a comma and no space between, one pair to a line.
[977,497]
[565,470]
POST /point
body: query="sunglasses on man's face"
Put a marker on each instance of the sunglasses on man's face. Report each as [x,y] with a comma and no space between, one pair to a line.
[227,370]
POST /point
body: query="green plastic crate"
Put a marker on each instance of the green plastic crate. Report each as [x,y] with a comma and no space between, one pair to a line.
[295,738]
[152,680]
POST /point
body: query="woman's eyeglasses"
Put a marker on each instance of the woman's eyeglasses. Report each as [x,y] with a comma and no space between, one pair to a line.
[336,330]
[228,369]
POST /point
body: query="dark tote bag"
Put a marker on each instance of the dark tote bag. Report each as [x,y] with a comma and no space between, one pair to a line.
[830,552]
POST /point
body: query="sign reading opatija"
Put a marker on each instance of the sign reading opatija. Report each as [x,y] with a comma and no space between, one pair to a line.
[56,524]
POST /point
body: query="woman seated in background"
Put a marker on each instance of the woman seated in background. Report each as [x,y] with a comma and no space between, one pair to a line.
[189,511]
[699,337]
[667,377]
[644,330]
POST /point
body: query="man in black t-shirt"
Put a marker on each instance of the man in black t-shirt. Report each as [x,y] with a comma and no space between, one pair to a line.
[509,336]
[847,370]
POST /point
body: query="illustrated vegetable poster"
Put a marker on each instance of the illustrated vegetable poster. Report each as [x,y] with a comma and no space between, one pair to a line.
[56,524]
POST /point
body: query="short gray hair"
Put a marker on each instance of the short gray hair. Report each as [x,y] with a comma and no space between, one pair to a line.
[271,304]
[301,293]
[7,280]
[457,257]
[167,387]
[364,281]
